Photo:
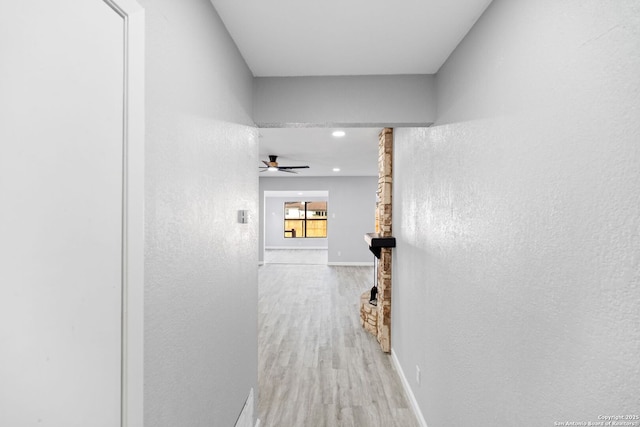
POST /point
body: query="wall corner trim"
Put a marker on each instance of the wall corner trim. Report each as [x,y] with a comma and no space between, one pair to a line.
[407,389]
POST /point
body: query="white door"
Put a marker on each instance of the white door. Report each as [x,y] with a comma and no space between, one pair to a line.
[61,209]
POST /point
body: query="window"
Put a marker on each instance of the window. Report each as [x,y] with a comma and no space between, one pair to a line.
[305,219]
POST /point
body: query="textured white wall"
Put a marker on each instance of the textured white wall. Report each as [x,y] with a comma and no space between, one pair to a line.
[201,264]
[517,272]
[352,202]
[409,100]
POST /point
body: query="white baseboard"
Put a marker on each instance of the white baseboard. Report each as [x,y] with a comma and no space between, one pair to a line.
[245,419]
[288,248]
[408,390]
[352,264]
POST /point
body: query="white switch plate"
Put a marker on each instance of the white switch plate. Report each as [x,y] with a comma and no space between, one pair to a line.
[243,216]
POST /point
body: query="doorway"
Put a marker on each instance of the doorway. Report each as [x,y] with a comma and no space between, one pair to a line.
[72,171]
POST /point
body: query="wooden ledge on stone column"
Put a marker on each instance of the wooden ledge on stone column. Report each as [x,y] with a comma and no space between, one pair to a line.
[376,242]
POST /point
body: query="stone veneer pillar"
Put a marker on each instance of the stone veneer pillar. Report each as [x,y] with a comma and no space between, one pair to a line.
[383,206]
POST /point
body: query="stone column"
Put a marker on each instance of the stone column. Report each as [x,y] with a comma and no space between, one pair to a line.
[385,185]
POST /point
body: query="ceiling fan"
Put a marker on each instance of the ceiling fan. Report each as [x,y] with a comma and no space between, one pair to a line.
[272,166]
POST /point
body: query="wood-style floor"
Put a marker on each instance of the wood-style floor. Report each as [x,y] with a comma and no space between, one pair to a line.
[317,365]
[295,256]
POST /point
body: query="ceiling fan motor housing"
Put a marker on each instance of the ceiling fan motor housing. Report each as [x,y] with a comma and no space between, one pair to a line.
[272,165]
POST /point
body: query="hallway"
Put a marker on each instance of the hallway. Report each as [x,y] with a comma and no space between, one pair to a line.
[133,136]
[317,365]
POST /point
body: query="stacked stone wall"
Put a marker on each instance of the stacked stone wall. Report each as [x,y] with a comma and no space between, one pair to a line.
[385,186]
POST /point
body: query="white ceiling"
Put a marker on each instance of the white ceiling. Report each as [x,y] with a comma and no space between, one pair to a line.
[341,38]
[352,37]
[356,153]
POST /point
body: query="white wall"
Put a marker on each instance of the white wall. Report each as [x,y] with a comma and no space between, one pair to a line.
[517,271]
[274,224]
[409,100]
[352,203]
[201,264]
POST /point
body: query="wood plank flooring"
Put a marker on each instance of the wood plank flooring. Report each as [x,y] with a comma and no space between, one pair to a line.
[295,256]
[317,365]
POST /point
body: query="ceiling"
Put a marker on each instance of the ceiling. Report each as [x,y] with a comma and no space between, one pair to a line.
[356,153]
[341,38]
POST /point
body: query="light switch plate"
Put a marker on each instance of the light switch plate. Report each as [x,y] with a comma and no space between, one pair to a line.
[243,216]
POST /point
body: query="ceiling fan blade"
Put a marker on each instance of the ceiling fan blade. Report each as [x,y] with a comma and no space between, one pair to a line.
[293,167]
[263,169]
[265,163]
[286,170]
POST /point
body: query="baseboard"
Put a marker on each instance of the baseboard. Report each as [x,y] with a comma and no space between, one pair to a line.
[408,390]
[288,248]
[352,264]
[245,419]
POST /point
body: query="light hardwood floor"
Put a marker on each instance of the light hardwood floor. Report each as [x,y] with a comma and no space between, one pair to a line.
[317,365]
[295,256]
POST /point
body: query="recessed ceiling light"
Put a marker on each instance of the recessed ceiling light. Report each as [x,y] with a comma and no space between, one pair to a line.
[338,133]
[336,169]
